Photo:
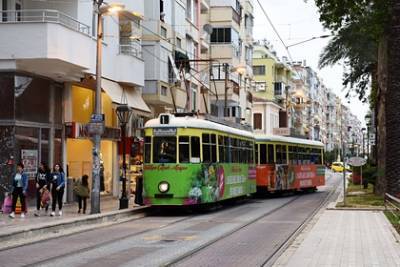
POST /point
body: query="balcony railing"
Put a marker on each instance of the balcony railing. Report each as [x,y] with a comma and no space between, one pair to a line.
[132,49]
[43,16]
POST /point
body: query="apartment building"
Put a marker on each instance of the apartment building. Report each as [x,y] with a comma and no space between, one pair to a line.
[231,49]
[272,83]
[47,67]
[174,43]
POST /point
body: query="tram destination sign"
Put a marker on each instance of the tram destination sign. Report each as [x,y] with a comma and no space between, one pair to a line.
[164,131]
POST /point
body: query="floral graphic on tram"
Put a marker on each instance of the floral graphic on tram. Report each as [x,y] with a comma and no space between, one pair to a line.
[208,185]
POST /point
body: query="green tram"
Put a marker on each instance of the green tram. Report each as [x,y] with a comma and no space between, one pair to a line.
[190,160]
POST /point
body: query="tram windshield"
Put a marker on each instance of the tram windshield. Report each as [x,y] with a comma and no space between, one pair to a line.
[164,149]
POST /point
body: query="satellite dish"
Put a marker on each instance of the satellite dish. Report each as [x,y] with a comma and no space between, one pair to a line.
[208,28]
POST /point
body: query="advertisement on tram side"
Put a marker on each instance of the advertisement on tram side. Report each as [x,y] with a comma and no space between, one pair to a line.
[198,183]
[285,177]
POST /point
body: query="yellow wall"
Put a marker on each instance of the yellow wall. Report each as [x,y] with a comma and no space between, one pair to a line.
[79,159]
[83,106]
[269,77]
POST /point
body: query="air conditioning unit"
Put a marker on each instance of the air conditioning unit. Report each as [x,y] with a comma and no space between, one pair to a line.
[261,87]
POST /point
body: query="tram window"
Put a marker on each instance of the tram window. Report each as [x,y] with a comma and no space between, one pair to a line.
[206,148]
[221,148]
[206,138]
[183,149]
[228,150]
[147,149]
[263,154]
[256,153]
[270,154]
[213,148]
[251,152]
[164,149]
[195,149]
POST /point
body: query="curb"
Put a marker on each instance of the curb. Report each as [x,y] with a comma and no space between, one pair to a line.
[31,234]
[358,209]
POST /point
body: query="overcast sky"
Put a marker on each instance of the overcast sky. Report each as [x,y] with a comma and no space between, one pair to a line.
[296,21]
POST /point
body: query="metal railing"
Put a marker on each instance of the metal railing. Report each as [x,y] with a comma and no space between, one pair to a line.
[392,204]
[43,16]
[131,49]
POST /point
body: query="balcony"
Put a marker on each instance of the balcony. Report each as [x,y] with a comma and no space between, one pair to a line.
[279,90]
[53,44]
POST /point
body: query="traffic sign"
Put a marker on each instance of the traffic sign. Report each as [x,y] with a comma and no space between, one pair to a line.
[97,118]
[357,161]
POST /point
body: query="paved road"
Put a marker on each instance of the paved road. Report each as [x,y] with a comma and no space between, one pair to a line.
[161,239]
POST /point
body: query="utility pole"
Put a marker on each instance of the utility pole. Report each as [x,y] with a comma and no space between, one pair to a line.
[226,70]
[343,159]
[95,194]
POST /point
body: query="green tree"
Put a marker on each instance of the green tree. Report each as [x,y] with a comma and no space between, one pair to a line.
[360,28]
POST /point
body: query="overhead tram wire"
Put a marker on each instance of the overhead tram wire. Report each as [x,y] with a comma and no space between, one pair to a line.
[279,36]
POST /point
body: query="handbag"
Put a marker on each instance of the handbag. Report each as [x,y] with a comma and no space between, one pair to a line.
[45,198]
[7,204]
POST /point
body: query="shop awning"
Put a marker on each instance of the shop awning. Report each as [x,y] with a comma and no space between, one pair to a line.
[134,97]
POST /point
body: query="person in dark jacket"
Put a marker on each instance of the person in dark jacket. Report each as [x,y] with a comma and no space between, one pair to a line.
[20,187]
[82,192]
[57,186]
[42,180]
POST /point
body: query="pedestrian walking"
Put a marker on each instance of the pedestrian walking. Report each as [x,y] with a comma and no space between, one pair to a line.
[82,191]
[42,180]
[57,189]
[139,189]
[20,187]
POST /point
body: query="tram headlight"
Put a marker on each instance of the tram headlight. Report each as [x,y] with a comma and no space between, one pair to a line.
[163,187]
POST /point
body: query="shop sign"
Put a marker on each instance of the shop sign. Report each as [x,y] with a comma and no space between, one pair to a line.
[79,130]
[281,131]
[164,131]
[30,160]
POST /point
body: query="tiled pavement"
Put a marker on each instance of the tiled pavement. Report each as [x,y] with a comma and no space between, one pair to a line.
[107,204]
[345,238]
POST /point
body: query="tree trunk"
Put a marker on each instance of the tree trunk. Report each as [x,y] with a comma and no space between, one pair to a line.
[380,82]
[392,163]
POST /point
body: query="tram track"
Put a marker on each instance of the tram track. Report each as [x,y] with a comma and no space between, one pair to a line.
[280,249]
[213,241]
[147,214]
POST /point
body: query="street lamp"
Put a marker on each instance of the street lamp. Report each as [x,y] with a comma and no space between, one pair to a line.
[124,113]
[96,125]
[363,144]
[310,39]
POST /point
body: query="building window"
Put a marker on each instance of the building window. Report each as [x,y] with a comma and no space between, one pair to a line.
[163,32]
[257,121]
[164,90]
[178,42]
[221,35]
[194,97]
[189,9]
[162,14]
[259,70]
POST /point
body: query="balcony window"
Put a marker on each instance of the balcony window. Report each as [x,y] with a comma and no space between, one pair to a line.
[163,90]
[257,121]
[163,32]
[259,70]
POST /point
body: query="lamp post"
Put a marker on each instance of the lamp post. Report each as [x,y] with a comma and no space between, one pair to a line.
[363,142]
[124,113]
[96,125]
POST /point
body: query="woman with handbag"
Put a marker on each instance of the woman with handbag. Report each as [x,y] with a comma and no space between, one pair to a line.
[82,191]
[42,184]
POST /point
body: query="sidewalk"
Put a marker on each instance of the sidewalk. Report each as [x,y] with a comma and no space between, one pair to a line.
[31,229]
[345,238]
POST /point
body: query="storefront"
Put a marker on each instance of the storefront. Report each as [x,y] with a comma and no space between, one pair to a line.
[79,145]
[30,125]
